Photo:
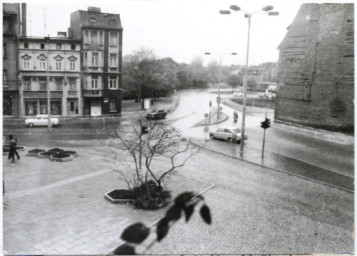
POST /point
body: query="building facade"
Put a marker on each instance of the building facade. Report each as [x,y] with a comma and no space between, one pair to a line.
[49,68]
[101,59]
[14,26]
[316,68]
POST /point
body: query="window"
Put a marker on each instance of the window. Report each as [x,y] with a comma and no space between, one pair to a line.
[101,38]
[86,86]
[113,39]
[72,85]
[26,45]
[112,83]
[58,46]
[113,60]
[31,108]
[86,37]
[26,64]
[27,85]
[58,85]
[4,50]
[73,46]
[72,65]
[43,107]
[94,83]
[112,105]
[94,37]
[42,46]
[58,65]
[4,76]
[42,65]
[43,85]
[94,59]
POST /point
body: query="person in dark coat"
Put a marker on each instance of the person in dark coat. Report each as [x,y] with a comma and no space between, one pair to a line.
[13,151]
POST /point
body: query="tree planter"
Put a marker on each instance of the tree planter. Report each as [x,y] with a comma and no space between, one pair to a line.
[73,153]
[61,157]
[34,152]
[46,154]
[119,196]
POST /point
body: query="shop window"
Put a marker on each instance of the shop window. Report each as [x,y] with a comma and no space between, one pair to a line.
[31,108]
[55,108]
[112,105]
[43,107]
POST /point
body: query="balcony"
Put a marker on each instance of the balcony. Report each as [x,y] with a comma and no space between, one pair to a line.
[92,93]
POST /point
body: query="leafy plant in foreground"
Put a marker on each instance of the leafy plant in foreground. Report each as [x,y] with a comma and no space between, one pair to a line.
[184,205]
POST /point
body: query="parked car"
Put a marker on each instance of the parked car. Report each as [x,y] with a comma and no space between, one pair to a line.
[156,114]
[41,120]
[230,134]
[238,94]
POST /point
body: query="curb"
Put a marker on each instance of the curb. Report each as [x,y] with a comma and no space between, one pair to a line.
[273,169]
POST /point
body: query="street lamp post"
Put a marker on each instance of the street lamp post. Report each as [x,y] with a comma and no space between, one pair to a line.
[48,85]
[249,16]
[219,80]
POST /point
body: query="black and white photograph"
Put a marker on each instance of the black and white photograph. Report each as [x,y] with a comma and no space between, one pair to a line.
[178,127]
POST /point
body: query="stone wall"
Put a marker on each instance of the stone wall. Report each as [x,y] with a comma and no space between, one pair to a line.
[316,68]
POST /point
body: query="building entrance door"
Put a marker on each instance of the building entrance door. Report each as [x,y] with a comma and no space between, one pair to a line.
[95,108]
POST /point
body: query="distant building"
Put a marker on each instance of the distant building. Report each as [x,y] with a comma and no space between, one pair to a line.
[50,64]
[14,26]
[101,59]
[316,68]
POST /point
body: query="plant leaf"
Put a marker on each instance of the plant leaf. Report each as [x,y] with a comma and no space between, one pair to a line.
[205,214]
[162,229]
[174,213]
[183,198]
[124,250]
[135,233]
[188,211]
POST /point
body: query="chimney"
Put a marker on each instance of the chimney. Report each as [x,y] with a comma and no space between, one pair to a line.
[61,34]
[23,19]
[94,9]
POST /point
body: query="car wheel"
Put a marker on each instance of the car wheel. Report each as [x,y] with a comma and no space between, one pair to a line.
[238,141]
[229,139]
[31,125]
[211,136]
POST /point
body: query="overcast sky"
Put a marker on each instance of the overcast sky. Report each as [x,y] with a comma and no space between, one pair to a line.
[181,29]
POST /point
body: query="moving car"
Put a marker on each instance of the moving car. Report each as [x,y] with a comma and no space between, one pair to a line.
[230,134]
[156,114]
[41,120]
[238,94]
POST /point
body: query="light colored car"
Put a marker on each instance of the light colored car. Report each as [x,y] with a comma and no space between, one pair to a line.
[238,94]
[41,120]
[231,134]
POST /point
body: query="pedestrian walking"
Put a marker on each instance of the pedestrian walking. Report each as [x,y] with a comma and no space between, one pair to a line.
[13,151]
[235,116]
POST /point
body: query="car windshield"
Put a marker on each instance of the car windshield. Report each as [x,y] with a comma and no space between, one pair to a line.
[235,130]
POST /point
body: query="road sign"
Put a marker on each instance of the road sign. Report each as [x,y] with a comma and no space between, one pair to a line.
[206,115]
[206,129]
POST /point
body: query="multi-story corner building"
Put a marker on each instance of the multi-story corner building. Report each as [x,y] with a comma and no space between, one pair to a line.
[101,58]
[14,25]
[49,65]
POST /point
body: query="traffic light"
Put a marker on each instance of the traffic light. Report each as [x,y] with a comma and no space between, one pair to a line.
[265,124]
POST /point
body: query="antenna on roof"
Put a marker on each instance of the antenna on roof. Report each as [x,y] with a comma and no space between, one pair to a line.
[44,21]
